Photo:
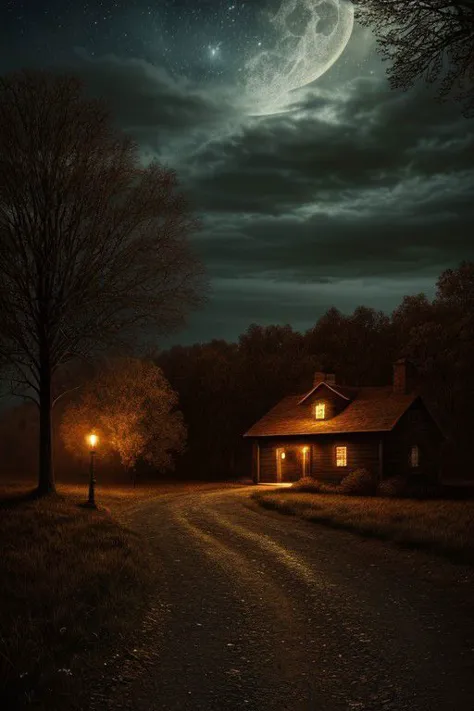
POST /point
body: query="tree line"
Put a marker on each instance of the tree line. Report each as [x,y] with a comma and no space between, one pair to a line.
[186,409]
[225,387]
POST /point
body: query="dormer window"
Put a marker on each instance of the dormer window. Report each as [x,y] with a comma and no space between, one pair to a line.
[320,411]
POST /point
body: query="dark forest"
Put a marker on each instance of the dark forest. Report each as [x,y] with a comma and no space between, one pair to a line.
[224,387]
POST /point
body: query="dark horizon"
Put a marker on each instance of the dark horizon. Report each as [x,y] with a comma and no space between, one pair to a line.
[211,320]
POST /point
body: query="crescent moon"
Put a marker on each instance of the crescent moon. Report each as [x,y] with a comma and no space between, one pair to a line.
[300,56]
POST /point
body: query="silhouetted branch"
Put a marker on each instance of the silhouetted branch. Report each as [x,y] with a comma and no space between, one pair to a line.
[430,39]
[93,247]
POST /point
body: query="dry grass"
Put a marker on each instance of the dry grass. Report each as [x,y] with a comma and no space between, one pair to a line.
[74,587]
[445,527]
[72,582]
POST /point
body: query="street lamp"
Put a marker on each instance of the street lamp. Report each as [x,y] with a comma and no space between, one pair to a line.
[92,440]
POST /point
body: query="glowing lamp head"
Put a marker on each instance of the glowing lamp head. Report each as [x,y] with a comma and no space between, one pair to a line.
[283,455]
[92,440]
[305,450]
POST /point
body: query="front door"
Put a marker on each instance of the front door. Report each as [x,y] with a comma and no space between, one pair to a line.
[289,464]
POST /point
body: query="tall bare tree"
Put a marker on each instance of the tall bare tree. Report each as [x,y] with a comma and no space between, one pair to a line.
[93,246]
[430,39]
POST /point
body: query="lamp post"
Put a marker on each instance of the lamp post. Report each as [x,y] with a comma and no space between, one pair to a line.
[92,440]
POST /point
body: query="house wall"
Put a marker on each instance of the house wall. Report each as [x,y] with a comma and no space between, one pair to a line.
[255,461]
[292,466]
[362,451]
[416,427]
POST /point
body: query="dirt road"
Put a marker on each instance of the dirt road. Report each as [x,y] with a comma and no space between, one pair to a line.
[264,612]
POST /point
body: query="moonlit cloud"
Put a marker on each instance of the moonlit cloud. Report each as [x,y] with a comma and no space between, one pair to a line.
[355,194]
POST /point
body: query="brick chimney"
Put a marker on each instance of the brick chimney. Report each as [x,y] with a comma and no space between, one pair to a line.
[404,376]
[320,377]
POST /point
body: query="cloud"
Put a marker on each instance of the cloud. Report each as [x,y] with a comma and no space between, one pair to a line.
[157,109]
[370,192]
[359,195]
[335,246]
[375,139]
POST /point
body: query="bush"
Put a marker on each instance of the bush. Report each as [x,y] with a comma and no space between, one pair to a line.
[359,482]
[393,488]
[330,488]
[307,483]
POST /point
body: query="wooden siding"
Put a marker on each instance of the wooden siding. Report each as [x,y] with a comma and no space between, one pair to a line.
[292,465]
[416,427]
[362,451]
[255,462]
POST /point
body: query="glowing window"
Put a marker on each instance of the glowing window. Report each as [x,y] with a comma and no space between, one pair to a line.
[341,456]
[415,456]
[320,411]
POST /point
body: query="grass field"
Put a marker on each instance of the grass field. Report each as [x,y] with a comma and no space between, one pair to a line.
[444,527]
[72,582]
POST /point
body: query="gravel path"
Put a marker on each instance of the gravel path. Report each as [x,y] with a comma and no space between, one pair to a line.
[264,612]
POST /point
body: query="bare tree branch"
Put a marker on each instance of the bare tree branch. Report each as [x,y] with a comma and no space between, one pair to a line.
[429,39]
[94,248]
[65,392]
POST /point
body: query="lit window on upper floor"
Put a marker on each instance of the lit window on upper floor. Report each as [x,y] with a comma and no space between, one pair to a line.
[320,411]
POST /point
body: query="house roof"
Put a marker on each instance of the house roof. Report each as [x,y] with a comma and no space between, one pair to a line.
[344,392]
[372,409]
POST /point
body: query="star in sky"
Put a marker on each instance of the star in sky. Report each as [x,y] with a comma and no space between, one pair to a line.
[214,51]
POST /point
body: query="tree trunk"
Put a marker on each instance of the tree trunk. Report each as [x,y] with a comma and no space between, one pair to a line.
[46,483]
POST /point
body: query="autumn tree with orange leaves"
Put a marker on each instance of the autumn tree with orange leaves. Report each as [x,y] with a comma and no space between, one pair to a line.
[131,406]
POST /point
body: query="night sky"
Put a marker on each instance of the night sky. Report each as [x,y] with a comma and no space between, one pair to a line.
[338,192]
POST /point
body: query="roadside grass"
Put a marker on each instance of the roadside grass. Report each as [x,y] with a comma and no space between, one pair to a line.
[441,526]
[73,582]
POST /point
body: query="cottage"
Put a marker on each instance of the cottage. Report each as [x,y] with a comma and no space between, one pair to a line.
[332,430]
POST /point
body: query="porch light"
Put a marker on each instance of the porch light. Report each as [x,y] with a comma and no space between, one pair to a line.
[283,455]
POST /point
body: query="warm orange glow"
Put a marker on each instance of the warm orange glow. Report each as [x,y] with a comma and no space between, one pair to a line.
[305,459]
[341,456]
[283,455]
[92,440]
[320,411]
